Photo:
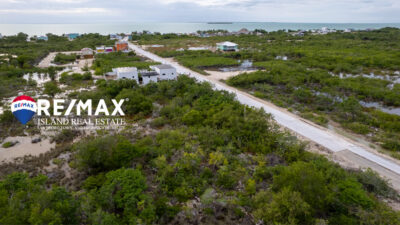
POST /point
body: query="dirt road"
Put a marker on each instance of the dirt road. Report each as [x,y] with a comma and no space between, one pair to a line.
[356,153]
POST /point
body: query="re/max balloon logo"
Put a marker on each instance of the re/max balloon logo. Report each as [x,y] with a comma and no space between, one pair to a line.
[24,108]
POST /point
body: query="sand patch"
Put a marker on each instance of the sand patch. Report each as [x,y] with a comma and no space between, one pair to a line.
[219,75]
[25,147]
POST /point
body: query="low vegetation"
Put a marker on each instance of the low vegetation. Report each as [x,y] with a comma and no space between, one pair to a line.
[309,82]
[106,62]
[204,159]
[64,58]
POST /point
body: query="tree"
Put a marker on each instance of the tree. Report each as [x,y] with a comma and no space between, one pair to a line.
[135,102]
[123,194]
[350,108]
[51,88]
[52,72]
[284,207]
[103,154]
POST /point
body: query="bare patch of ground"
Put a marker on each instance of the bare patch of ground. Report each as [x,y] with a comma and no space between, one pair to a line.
[24,147]
[219,75]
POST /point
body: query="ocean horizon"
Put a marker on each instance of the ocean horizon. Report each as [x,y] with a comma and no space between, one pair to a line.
[187,27]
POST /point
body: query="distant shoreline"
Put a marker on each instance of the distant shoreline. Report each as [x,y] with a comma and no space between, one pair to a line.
[109,28]
[220,23]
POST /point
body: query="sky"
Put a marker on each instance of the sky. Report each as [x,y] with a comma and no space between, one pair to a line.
[110,11]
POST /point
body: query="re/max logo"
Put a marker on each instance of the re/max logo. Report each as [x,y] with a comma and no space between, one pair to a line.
[43,107]
[19,105]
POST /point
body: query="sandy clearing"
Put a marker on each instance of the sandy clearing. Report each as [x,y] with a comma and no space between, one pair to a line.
[219,75]
[24,147]
[46,62]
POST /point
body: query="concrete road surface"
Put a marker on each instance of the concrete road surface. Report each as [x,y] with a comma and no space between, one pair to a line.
[358,154]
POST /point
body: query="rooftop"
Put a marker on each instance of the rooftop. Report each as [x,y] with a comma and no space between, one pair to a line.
[163,66]
[125,69]
[227,43]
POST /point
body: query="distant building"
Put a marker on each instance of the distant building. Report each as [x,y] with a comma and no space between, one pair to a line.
[227,46]
[104,49]
[281,57]
[115,37]
[121,46]
[243,31]
[157,46]
[86,53]
[1,36]
[127,73]
[100,49]
[165,72]
[197,48]
[109,49]
[44,38]
[72,36]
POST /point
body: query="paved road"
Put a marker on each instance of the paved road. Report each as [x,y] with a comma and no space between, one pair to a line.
[326,138]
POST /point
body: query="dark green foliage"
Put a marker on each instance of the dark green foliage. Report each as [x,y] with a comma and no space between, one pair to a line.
[64,59]
[51,88]
[208,147]
[26,201]
[106,62]
[135,102]
[121,199]
[104,154]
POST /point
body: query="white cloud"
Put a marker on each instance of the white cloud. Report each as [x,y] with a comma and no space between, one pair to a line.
[201,10]
[55,11]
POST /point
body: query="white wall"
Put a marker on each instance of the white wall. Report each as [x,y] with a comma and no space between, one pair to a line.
[147,79]
[167,74]
[133,75]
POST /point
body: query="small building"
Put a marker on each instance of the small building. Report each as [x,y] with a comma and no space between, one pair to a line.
[227,46]
[281,57]
[86,53]
[43,38]
[72,36]
[127,73]
[243,31]
[121,46]
[115,37]
[165,71]
[104,49]
[100,50]
[197,48]
[1,36]
[108,49]
[149,76]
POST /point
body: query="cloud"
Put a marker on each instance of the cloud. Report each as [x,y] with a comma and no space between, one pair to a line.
[55,11]
[95,11]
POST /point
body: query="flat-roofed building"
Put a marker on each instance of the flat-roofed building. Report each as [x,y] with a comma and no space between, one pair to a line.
[227,46]
[127,73]
[121,46]
[165,71]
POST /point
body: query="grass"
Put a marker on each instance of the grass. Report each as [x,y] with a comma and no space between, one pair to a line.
[7,144]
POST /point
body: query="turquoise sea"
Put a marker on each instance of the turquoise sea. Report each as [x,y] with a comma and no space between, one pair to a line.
[41,29]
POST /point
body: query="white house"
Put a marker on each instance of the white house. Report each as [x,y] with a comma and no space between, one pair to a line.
[86,53]
[148,77]
[127,73]
[227,46]
[165,71]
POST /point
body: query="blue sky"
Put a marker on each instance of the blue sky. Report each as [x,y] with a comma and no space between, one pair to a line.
[100,11]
